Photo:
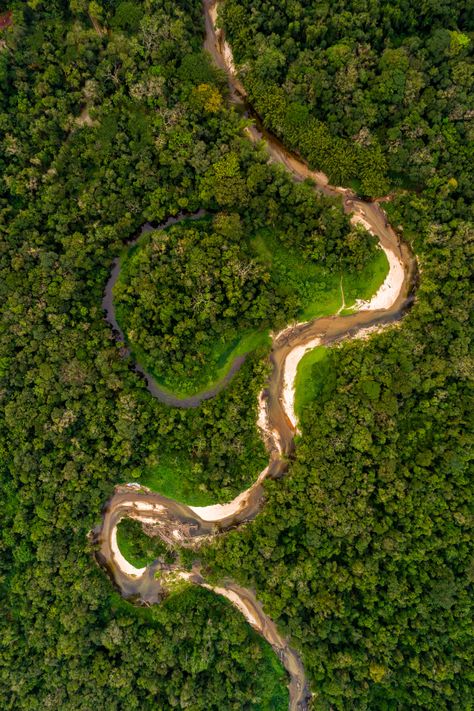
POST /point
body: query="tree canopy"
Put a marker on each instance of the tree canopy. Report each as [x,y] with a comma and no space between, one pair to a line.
[111,115]
[373,92]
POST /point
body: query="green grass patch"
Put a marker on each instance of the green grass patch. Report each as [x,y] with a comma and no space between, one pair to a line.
[172,476]
[364,284]
[310,377]
[318,291]
[224,354]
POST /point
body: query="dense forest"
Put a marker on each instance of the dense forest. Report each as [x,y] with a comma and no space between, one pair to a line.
[374,92]
[364,552]
[103,127]
[111,115]
[186,294]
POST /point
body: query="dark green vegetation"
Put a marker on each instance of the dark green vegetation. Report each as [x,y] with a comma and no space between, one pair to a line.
[192,297]
[375,92]
[140,550]
[363,552]
[222,662]
[102,131]
[185,293]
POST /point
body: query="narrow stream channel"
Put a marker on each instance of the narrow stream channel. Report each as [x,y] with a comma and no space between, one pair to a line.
[189,526]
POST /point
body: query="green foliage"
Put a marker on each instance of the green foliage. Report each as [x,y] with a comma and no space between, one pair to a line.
[312,287]
[238,646]
[99,137]
[139,549]
[192,298]
[314,378]
[184,295]
[367,545]
[127,16]
[363,554]
[363,90]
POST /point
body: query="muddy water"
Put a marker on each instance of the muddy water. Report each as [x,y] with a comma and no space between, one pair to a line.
[180,525]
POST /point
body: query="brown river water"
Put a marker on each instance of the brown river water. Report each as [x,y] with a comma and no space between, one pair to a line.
[178,524]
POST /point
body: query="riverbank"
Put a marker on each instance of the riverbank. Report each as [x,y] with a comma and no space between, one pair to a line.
[316,288]
[189,526]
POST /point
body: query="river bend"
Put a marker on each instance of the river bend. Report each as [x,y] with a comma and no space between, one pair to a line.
[178,524]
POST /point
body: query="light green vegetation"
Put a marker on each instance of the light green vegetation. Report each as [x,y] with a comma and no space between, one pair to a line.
[272,675]
[224,353]
[172,476]
[317,289]
[303,286]
[313,372]
[364,284]
[311,376]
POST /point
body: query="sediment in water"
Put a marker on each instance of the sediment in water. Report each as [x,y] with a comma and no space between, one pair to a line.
[188,526]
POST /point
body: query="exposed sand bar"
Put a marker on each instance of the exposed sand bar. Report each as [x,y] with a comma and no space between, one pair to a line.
[217,512]
[393,283]
[190,526]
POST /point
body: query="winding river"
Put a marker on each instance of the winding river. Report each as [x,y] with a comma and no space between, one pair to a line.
[178,524]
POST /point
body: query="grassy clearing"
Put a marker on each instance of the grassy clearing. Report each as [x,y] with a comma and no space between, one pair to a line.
[224,354]
[309,380]
[364,284]
[318,292]
[173,477]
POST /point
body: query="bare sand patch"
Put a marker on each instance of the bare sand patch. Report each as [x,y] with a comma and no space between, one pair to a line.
[236,600]
[389,291]
[216,512]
